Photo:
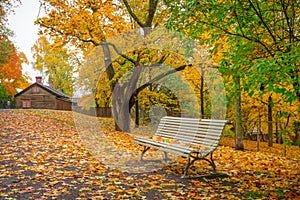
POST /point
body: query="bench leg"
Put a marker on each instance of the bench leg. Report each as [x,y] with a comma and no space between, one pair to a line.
[143,152]
[211,162]
[190,162]
[166,158]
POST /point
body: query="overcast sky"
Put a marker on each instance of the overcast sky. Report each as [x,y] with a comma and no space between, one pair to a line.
[22,24]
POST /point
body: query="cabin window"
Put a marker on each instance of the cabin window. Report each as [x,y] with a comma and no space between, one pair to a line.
[26,103]
[35,89]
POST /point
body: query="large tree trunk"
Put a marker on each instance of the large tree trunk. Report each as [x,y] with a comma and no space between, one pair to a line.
[121,114]
[121,97]
[239,135]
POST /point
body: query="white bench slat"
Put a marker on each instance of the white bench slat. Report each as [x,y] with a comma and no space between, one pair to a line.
[190,129]
[179,150]
[164,144]
[189,134]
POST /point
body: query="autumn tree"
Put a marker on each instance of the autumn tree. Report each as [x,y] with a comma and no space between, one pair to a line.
[146,17]
[6,49]
[84,24]
[11,60]
[87,24]
[11,76]
[56,62]
[262,37]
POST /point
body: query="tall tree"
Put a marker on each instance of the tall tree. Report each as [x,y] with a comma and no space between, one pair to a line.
[147,15]
[56,63]
[88,23]
[85,24]
[262,36]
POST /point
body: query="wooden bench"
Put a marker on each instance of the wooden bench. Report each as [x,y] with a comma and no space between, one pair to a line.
[191,138]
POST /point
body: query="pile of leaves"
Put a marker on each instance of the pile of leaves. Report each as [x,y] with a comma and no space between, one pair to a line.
[44,155]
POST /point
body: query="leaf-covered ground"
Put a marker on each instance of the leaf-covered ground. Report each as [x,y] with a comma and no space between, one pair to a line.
[43,156]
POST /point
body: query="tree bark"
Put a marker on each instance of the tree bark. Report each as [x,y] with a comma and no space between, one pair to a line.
[108,63]
[121,97]
[239,135]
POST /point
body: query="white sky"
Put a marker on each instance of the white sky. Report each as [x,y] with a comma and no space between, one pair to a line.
[22,24]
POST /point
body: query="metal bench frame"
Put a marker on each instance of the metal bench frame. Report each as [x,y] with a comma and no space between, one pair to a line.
[195,139]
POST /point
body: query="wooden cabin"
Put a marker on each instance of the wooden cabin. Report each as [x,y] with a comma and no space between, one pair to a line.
[39,96]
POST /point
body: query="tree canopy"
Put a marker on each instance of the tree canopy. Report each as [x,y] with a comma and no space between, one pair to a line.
[56,62]
[262,38]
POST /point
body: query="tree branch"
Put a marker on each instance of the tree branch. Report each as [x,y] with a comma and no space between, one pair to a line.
[151,12]
[118,52]
[239,35]
[132,14]
[258,13]
[157,78]
[284,10]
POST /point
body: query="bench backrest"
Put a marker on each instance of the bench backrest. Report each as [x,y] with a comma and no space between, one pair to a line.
[191,131]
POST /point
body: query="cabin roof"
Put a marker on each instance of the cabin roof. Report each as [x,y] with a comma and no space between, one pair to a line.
[51,90]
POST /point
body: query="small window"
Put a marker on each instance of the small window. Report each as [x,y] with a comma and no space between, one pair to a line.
[35,89]
[26,103]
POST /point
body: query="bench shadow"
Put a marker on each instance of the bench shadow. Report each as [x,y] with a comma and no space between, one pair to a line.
[148,164]
[207,176]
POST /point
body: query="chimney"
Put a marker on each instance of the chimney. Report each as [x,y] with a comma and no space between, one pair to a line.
[51,84]
[38,79]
